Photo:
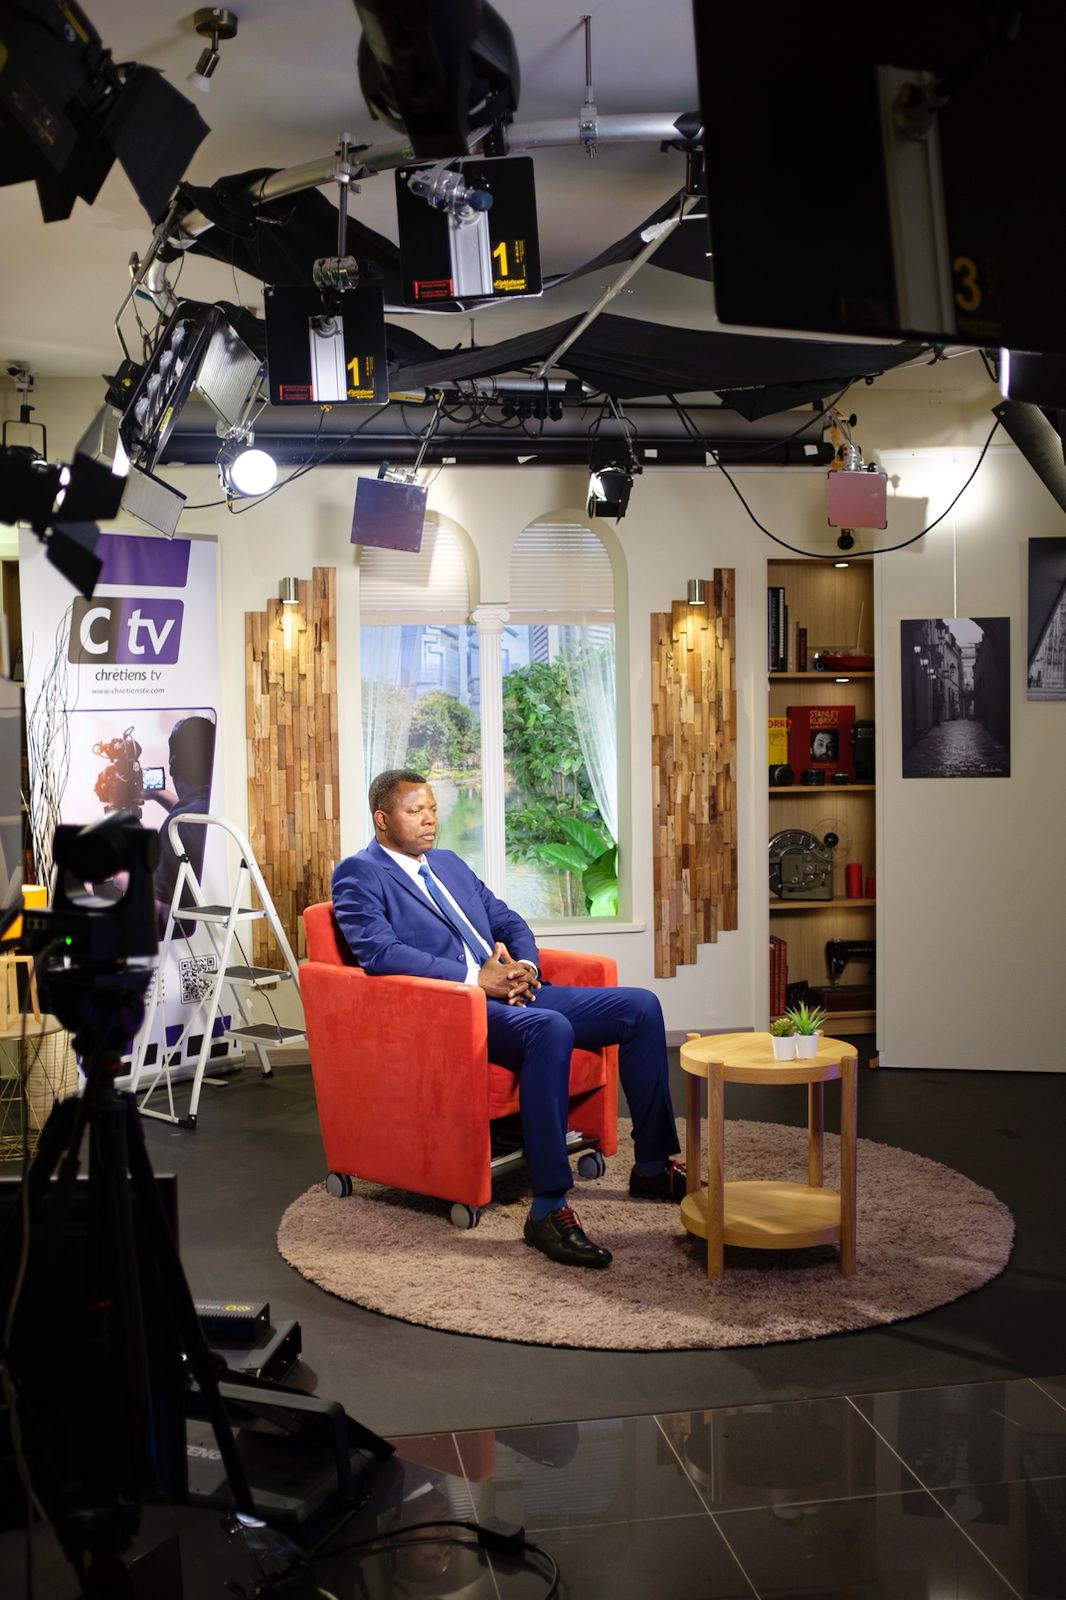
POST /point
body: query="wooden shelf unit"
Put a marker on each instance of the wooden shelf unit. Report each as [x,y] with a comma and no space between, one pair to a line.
[828,601]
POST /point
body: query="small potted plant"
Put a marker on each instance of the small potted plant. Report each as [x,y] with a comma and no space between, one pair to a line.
[782,1039]
[806,1022]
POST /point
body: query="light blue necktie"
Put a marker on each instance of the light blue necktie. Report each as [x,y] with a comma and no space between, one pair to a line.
[466,935]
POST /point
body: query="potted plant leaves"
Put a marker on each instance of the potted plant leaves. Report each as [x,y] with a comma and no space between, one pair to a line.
[782,1040]
[806,1024]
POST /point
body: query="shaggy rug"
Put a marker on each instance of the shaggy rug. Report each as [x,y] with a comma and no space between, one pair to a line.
[926,1235]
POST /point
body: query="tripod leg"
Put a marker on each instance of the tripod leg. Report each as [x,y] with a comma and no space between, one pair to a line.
[184,1310]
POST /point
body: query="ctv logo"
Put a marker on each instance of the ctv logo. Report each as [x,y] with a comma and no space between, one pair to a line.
[125,629]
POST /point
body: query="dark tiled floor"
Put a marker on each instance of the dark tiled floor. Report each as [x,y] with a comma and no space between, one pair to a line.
[921,1461]
[828,1499]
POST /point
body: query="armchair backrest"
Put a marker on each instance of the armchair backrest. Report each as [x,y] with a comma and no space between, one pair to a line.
[322,937]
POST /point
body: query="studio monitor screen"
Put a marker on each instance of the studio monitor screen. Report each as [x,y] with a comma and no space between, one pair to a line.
[887,174]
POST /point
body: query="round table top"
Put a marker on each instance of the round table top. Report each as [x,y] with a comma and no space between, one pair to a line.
[749,1058]
[33,1028]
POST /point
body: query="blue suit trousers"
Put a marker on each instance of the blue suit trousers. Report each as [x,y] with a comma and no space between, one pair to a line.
[536,1041]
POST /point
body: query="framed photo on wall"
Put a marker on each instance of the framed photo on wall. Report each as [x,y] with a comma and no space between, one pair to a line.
[1046,655]
[955,697]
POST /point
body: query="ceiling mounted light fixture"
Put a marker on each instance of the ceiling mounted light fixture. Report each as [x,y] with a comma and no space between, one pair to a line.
[243,470]
[216,24]
[609,490]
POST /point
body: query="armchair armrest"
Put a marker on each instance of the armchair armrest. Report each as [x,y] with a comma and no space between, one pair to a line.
[404,1054]
[577,968]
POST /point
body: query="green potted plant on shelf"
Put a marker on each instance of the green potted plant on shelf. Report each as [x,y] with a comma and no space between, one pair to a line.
[782,1040]
[806,1025]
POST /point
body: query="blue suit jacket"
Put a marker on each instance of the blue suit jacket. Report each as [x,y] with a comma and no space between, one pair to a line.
[391,926]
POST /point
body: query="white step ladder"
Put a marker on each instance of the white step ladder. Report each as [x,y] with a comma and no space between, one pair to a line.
[220,923]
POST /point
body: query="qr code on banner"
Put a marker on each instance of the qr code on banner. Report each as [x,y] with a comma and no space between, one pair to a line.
[197,975]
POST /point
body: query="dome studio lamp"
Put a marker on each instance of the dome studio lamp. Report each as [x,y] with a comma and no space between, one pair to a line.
[243,470]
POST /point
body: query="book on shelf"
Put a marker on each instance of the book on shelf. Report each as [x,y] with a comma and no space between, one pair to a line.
[777,740]
[819,737]
[778,975]
[777,629]
[801,649]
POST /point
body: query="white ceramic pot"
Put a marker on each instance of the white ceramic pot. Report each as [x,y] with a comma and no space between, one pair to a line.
[784,1049]
[806,1045]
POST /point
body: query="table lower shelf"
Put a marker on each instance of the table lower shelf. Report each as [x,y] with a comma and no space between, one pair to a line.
[769,1215]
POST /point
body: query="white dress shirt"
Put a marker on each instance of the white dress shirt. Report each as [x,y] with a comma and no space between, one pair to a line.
[412,865]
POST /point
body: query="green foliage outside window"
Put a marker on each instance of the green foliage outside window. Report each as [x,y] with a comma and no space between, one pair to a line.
[550,808]
[444,735]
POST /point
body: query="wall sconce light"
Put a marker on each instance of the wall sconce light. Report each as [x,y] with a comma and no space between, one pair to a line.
[216,24]
[288,591]
[697,591]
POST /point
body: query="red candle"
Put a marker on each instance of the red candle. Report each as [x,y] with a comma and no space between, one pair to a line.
[853,880]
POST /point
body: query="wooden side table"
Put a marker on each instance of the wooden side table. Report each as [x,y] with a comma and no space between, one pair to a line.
[768,1215]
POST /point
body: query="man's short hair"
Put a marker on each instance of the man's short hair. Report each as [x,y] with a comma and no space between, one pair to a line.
[385,785]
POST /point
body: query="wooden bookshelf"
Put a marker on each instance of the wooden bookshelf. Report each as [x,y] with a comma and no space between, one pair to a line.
[835,605]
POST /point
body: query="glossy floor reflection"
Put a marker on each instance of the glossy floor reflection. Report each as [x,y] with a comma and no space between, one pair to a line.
[934,1494]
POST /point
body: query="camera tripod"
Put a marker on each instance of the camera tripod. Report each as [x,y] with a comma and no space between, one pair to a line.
[124,1441]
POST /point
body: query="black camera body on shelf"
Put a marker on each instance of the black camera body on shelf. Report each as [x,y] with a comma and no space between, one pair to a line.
[862,741]
[781,776]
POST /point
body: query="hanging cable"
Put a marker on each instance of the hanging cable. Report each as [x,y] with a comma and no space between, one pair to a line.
[819,555]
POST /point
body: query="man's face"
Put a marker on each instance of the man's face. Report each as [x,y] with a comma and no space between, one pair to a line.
[409,826]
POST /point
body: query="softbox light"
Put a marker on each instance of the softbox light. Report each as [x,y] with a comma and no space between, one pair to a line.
[389,515]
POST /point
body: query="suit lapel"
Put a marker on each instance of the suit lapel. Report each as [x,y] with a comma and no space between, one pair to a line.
[382,859]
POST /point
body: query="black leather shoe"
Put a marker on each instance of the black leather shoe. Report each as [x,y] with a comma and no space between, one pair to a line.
[560,1237]
[669,1184]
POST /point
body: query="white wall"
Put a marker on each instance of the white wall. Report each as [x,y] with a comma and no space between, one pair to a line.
[970,872]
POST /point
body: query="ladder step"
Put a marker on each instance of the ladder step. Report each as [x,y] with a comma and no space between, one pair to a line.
[218,913]
[257,977]
[267,1033]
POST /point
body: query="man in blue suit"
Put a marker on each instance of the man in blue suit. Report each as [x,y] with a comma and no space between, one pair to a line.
[404,907]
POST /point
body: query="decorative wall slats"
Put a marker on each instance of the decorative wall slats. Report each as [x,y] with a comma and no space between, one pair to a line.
[290,660]
[694,754]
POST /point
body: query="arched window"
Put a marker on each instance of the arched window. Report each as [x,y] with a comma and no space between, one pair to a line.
[560,725]
[421,692]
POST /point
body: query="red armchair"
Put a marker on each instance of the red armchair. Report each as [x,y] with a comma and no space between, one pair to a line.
[404,1086]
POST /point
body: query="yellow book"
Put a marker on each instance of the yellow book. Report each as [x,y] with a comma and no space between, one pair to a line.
[778,740]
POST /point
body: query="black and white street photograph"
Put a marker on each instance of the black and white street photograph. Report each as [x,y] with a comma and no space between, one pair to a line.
[1046,679]
[955,697]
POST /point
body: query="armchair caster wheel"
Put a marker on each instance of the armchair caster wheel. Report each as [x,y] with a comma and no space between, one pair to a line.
[463,1216]
[591,1164]
[339,1185]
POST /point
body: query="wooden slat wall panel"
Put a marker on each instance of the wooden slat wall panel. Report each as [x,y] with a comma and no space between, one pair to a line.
[291,726]
[694,753]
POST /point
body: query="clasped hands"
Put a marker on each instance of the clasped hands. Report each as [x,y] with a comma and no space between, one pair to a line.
[503,978]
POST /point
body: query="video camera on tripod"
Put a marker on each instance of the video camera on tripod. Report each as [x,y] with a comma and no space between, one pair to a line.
[122,783]
[93,1265]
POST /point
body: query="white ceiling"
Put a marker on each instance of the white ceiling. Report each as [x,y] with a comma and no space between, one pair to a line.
[284,91]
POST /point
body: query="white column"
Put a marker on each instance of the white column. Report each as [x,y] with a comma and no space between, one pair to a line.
[490,621]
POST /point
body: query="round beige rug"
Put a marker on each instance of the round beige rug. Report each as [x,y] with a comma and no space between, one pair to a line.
[926,1235]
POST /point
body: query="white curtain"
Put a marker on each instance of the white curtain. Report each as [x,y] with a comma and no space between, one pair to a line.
[588,657]
[387,705]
